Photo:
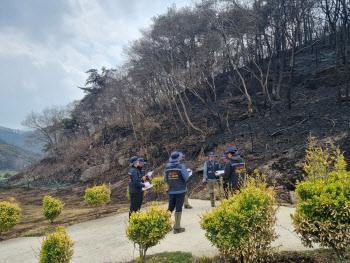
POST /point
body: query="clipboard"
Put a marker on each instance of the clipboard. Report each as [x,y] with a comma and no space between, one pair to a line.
[190,172]
[149,186]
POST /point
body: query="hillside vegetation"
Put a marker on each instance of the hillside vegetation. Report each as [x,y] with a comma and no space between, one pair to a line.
[261,76]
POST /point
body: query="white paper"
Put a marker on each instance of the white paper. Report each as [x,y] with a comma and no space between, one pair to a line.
[220,172]
[189,172]
[150,173]
[149,186]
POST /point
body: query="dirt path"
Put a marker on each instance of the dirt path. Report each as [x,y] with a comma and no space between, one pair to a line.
[104,240]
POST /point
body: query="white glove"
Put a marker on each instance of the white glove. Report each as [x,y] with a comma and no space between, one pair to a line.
[204,180]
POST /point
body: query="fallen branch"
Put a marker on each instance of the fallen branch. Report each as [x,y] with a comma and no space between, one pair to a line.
[331,121]
[288,128]
[307,47]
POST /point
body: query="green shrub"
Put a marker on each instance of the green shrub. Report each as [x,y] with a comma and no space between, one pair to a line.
[10,215]
[146,229]
[52,208]
[97,197]
[242,226]
[323,212]
[57,247]
[159,185]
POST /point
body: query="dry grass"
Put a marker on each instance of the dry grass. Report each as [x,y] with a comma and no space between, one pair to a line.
[34,223]
[75,210]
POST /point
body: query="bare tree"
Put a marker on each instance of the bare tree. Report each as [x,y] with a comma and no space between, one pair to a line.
[46,126]
[344,14]
[331,8]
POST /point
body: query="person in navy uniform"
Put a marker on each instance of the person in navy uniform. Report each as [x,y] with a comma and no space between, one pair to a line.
[176,176]
[186,203]
[239,154]
[240,167]
[234,172]
[209,173]
[135,185]
[224,158]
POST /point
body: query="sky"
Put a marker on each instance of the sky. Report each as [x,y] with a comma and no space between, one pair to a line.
[47,46]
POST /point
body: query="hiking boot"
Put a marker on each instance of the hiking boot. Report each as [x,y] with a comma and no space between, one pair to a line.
[186,204]
[179,230]
[177,227]
[212,199]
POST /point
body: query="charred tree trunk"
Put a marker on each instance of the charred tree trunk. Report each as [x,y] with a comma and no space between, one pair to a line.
[337,67]
[290,80]
[281,66]
[345,18]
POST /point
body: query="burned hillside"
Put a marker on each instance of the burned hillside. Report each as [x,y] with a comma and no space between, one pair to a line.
[196,83]
[272,140]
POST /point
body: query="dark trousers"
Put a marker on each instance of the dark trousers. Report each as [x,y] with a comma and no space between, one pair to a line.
[136,201]
[176,200]
[229,189]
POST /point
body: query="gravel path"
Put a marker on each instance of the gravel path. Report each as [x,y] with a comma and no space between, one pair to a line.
[103,240]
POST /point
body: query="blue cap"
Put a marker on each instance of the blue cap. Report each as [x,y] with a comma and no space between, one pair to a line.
[229,150]
[141,160]
[175,156]
[133,160]
[212,154]
[224,156]
[238,152]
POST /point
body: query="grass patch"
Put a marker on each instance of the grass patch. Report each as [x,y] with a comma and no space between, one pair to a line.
[316,251]
[7,174]
[41,232]
[320,255]
[171,257]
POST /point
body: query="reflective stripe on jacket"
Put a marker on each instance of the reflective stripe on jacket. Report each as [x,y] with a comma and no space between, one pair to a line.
[234,171]
[176,176]
[210,167]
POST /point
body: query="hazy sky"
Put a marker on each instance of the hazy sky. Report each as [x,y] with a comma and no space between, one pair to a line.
[47,46]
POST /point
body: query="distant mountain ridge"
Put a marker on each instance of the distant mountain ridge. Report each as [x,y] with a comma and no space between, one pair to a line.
[18,138]
[13,158]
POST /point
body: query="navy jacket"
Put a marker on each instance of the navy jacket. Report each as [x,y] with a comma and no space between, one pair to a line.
[176,176]
[135,180]
[142,170]
[210,167]
[234,171]
[223,166]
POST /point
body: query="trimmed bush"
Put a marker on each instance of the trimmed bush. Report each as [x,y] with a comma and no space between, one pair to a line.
[159,185]
[10,215]
[52,208]
[323,212]
[242,226]
[57,247]
[146,229]
[97,197]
